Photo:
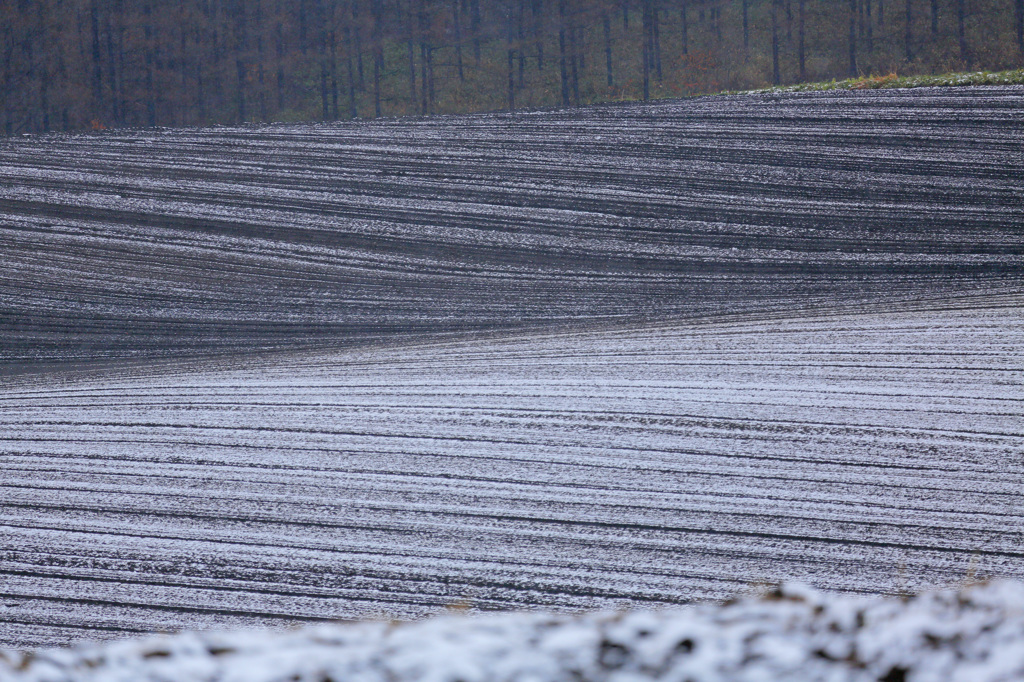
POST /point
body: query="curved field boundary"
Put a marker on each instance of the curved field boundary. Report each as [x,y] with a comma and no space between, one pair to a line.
[170,243]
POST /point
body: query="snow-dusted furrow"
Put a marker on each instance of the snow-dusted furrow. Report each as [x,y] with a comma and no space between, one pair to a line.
[869,452]
[161,243]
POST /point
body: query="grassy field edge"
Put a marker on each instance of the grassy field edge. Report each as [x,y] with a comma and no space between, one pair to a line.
[893,80]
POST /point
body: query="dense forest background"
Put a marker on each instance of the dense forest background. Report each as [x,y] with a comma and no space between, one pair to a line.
[77,64]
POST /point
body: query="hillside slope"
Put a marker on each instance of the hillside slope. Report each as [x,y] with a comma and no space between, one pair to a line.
[870,452]
[602,358]
[163,243]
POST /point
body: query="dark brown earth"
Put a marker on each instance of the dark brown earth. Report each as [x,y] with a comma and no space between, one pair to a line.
[171,243]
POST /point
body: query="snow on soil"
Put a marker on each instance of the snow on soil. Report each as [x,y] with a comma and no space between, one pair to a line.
[794,633]
[587,470]
[161,243]
[874,452]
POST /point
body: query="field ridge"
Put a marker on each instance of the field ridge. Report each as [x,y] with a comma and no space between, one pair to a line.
[572,360]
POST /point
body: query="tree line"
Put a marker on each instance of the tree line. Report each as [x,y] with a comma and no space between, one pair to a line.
[79,64]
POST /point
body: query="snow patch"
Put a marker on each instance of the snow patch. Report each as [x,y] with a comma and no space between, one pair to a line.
[793,633]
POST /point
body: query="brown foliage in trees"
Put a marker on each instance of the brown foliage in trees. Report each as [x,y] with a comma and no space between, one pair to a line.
[96,64]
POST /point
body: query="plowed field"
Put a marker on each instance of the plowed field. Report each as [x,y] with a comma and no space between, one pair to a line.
[646,354]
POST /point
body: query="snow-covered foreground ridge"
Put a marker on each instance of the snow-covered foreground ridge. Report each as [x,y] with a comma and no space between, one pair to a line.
[794,633]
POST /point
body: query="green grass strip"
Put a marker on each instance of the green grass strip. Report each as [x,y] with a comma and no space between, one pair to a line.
[1012,77]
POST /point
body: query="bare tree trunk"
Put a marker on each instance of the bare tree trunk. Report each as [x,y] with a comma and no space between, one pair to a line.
[352,111]
[1019,6]
[62,70]
[303,28]
[426,97]
[279,46]
[776,71]
[200,94]
[537,9]
[961,34]
[935,18]
[746,26]
[147,32]
[325,93]
[853,39]
[800,53]
[431,99]
[646,49]
[606,22]
[511,55]
[457,23]
[577,37]
[684,27]
[44,98]
[656,38]
[112,71]
[411,37]
[574,70]
[28,58]
[6,84]
[908,36]
[424,88]
[97,67]
[261,97]
[332,66]
[183,109]
[199,66]
[378,56]
[521,42]
[870,27]
[355,39]
[240,66]
[564,73]
[474,17]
